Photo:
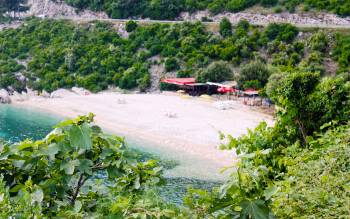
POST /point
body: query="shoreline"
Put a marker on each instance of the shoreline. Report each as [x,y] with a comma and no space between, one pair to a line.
[192,138]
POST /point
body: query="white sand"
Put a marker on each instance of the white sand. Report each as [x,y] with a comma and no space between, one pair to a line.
[192,138]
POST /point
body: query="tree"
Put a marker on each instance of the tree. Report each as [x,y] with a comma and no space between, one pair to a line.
[254,71]
[319,42]
[215,72]
[171,64]
[225,27]
[283,32]
[291,96]
[164,9]
[130,26]
[329,102]
[269,3]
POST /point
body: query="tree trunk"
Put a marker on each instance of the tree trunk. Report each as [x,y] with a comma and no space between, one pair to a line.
[302,131]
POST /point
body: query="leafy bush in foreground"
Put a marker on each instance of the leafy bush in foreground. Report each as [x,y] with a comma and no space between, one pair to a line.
[317,184]
[77,171]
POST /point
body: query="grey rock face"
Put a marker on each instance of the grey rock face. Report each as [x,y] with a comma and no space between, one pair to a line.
[4,97]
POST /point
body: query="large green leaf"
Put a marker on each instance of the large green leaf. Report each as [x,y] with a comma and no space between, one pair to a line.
[255,209]
[80,137]
[52,150]
[85,166]
[69,166]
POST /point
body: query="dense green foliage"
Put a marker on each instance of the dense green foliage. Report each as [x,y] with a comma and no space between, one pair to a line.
[317,183]
[171,64]
[171,9]
[254,75]
[342,52]
[130,26]
[59,54]
[225,28]
[310,102]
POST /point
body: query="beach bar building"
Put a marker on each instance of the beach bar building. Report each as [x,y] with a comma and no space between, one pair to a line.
[190,86]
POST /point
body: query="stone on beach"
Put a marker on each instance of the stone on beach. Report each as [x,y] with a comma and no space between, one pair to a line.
[45,94]
[170,115]
[121,101]
[81,91]
[224,105]
[4,97]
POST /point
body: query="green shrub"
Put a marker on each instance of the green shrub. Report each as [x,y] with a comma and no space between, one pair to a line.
[130,26]
[216,72]
[277,9]
[283,32]
[319,42]
[268,3]
[171,64]
[225,27]
[256,72]
[341,52]
[144,82]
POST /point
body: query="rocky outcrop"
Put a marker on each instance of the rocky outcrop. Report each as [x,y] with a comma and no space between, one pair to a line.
[80,91]
[32,93]
[4,97]
[45,94]
[157,71]
[302,20]
[61,93]
[55,9]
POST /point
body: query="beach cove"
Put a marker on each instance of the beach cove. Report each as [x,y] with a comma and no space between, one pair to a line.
[191,138]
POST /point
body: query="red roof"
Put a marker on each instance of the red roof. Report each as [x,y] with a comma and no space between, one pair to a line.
[179,81]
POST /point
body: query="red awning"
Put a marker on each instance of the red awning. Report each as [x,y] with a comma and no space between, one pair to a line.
[179,81]
[227,90]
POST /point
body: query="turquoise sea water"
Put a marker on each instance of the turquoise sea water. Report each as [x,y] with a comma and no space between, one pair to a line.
[18,123]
